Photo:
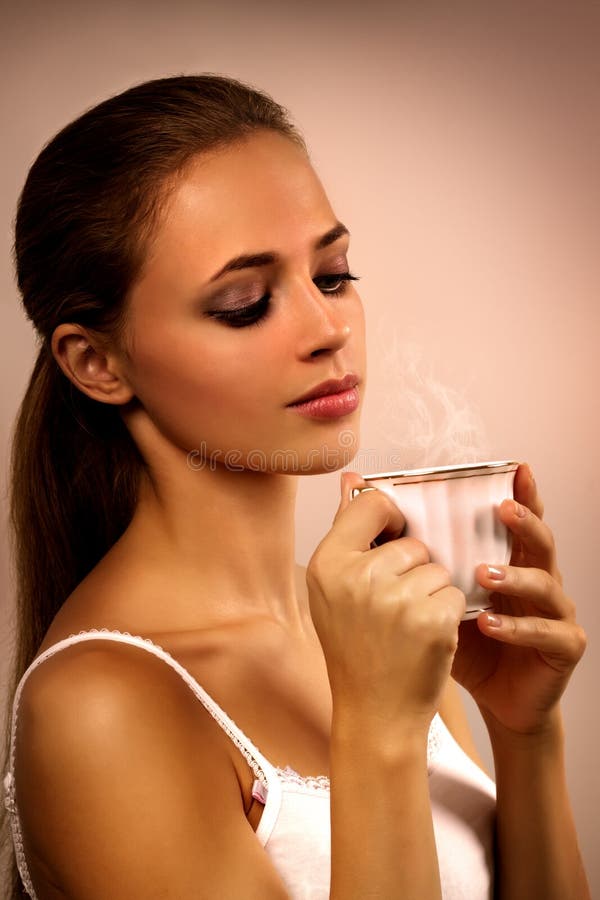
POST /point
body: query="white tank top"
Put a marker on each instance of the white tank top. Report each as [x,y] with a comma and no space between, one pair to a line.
[295,825]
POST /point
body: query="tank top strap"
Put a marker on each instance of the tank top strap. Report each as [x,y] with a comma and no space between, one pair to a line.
[261,767]
[265,783]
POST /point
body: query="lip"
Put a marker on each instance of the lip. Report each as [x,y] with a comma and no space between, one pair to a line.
[326,388]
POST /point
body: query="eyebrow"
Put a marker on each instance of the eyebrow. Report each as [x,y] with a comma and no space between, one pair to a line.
[269,257]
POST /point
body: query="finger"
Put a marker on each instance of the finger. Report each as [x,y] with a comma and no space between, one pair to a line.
[534,586]
[400,556]
[360,521]
[392,529]
[525,490]
[348,482]
[446,607]
[415,584]
[535,539]
[562,640]
[428,591]
[451,599]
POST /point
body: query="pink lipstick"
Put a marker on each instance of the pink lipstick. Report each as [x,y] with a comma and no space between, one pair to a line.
[330,399]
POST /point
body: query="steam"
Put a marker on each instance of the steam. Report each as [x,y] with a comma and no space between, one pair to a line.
[424,422]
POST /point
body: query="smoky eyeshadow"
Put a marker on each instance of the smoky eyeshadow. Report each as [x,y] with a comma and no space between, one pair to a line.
[248,292]
[233,297]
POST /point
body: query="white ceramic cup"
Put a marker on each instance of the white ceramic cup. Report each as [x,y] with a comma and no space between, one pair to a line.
[453,510]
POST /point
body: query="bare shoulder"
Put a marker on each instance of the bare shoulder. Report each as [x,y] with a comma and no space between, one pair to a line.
[452,711]
[122,780]
[93,683]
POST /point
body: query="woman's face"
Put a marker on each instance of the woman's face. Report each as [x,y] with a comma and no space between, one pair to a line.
[215,358]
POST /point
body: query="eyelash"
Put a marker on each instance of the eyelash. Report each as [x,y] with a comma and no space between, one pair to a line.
[254,313]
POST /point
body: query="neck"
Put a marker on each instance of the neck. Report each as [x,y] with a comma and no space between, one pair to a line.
[227,541]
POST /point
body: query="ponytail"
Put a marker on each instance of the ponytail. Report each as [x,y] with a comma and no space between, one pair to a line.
[74,471]
[85,217]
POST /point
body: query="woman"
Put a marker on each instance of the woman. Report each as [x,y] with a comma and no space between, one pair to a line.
[189,281]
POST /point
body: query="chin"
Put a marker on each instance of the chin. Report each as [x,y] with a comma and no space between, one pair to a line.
[330,456]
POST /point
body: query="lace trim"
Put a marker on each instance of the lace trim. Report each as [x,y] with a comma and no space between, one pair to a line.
[286,775]
[434,742]
[322,782]
[11,805]
[311,782]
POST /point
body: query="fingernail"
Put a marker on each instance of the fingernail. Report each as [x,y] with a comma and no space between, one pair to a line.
[496,574]
[531,478]
[493,621]
[520,510]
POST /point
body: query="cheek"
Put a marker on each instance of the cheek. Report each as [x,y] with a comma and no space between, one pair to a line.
[185,382]
[356,319]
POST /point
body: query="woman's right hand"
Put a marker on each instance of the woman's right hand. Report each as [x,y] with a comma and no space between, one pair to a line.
[387,618]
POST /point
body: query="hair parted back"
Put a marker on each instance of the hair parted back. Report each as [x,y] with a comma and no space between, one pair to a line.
[84,221]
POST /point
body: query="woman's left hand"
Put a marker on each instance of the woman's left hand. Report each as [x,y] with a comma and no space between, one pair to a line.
[516,662]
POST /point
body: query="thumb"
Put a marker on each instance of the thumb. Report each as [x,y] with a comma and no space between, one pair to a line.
[379,521]
[348,482]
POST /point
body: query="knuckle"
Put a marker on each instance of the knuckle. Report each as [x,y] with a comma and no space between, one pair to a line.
[405,594]
[385,509]
[436,629]
[459,601]
[454,604]
[447,619]
[440,572]
[317,565]
[580,641]
[458,595]
[436,579]
[446,643]
[377,498]
[415,550]
[313,564]
[445,635]
[512,626]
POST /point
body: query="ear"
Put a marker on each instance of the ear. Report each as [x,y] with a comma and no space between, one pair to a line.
[90,364]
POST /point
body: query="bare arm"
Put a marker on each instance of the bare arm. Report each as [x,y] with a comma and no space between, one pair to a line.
[122,783]
[388,623]
[124,788]
[380,784]
[382,840]
[536,842]
[125,784]
[537,848]
[516,664]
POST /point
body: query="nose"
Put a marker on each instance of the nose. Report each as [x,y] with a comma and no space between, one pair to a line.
[324,325]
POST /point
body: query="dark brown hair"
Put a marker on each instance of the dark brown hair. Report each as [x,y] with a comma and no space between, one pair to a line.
[84,221]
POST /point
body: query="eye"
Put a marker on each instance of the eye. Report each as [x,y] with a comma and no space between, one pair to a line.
[253,313]
[336,283]
[245,315]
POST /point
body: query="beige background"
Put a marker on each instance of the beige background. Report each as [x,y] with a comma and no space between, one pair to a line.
[461,148]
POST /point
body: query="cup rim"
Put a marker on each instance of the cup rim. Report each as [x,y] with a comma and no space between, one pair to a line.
[441,473]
